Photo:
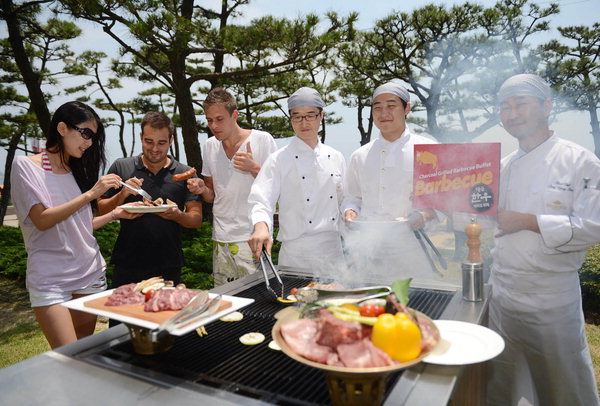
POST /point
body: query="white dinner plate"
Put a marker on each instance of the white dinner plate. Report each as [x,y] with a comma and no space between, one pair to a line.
[147,209]
[79,304]
[464,343]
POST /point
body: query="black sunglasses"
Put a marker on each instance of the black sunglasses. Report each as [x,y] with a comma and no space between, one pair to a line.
[86,133]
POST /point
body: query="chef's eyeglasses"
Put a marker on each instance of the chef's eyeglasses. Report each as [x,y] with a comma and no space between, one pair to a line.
[85,133]
[307,117]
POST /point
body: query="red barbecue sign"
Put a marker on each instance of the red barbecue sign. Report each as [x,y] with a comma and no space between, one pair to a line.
[457,177]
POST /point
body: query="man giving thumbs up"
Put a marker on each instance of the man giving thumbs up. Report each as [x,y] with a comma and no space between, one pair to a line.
[231,160]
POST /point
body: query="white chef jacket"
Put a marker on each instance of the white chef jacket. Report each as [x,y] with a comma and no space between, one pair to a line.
[378,186]
[307,185]
[379,179]
[536,299]
[232,186]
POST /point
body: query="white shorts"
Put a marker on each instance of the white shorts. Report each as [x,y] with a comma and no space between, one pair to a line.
[44,298]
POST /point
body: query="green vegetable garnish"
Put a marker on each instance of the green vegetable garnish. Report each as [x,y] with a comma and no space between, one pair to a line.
[400,288]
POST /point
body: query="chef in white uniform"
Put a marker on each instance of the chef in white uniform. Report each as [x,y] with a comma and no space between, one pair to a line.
[377,191]
[549,215]
[305,179]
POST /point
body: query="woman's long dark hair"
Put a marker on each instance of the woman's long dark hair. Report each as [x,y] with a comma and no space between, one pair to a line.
[86,169]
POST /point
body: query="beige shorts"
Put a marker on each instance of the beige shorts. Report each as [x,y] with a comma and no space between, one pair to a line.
[44,298]
[231,261]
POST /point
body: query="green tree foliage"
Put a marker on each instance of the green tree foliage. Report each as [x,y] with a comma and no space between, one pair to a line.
[573,69]
[182,46]
[452,58]
[28,56]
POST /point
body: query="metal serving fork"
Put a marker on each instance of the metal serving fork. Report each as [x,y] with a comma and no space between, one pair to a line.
[141,192]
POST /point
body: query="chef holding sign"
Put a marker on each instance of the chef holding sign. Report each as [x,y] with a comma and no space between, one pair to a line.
[377,193]
[549,214]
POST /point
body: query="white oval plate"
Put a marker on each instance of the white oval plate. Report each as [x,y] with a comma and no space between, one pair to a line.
[147,209]
[464,343]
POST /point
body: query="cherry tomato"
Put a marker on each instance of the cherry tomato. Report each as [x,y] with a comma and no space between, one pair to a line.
[371,310]
[293,291]
[149,294]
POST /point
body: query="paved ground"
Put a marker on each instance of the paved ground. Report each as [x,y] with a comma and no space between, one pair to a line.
[11,218]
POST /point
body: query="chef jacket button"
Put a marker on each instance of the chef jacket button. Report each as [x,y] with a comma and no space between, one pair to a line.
[308,200]
[328,156]
[309,221]
[296,156]
[333,219]
[332,174]
[331,197]
[303,177]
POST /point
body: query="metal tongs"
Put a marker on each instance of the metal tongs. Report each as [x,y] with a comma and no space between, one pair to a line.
[421,233]
[195,310]
[309,294]
[265,260]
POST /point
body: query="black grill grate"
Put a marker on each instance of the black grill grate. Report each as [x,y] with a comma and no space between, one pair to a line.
[220,361]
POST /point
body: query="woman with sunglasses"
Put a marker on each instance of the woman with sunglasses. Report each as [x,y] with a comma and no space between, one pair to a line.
[54,194]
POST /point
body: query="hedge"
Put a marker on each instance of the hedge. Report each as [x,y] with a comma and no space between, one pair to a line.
[197,251]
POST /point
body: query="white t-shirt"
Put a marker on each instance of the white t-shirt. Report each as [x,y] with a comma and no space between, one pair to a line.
[66,256]
[231,186]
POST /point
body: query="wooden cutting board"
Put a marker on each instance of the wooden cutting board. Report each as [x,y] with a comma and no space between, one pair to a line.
[137,310]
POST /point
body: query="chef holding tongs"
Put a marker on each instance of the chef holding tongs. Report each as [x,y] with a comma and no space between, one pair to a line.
[304,180]
[391,241]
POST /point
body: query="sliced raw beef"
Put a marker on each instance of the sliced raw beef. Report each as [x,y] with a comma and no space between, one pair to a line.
[124,295]
[333,331]
[363,354]
[301,335]
[172,299]
[430,336]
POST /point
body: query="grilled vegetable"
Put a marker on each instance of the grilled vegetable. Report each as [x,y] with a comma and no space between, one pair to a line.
[252,338]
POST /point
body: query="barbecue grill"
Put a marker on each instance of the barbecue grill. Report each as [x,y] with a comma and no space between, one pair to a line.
[219,366]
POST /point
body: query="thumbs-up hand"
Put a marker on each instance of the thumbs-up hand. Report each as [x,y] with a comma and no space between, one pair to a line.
[243,161]
[196,185]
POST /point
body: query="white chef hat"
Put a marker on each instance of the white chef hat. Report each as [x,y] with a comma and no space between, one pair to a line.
[524,84]
[305,97]
[393,88]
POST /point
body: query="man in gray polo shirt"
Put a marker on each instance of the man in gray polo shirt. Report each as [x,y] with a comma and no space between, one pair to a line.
[150,245]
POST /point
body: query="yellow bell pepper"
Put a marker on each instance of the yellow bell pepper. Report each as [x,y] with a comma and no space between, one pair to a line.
[398,336]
